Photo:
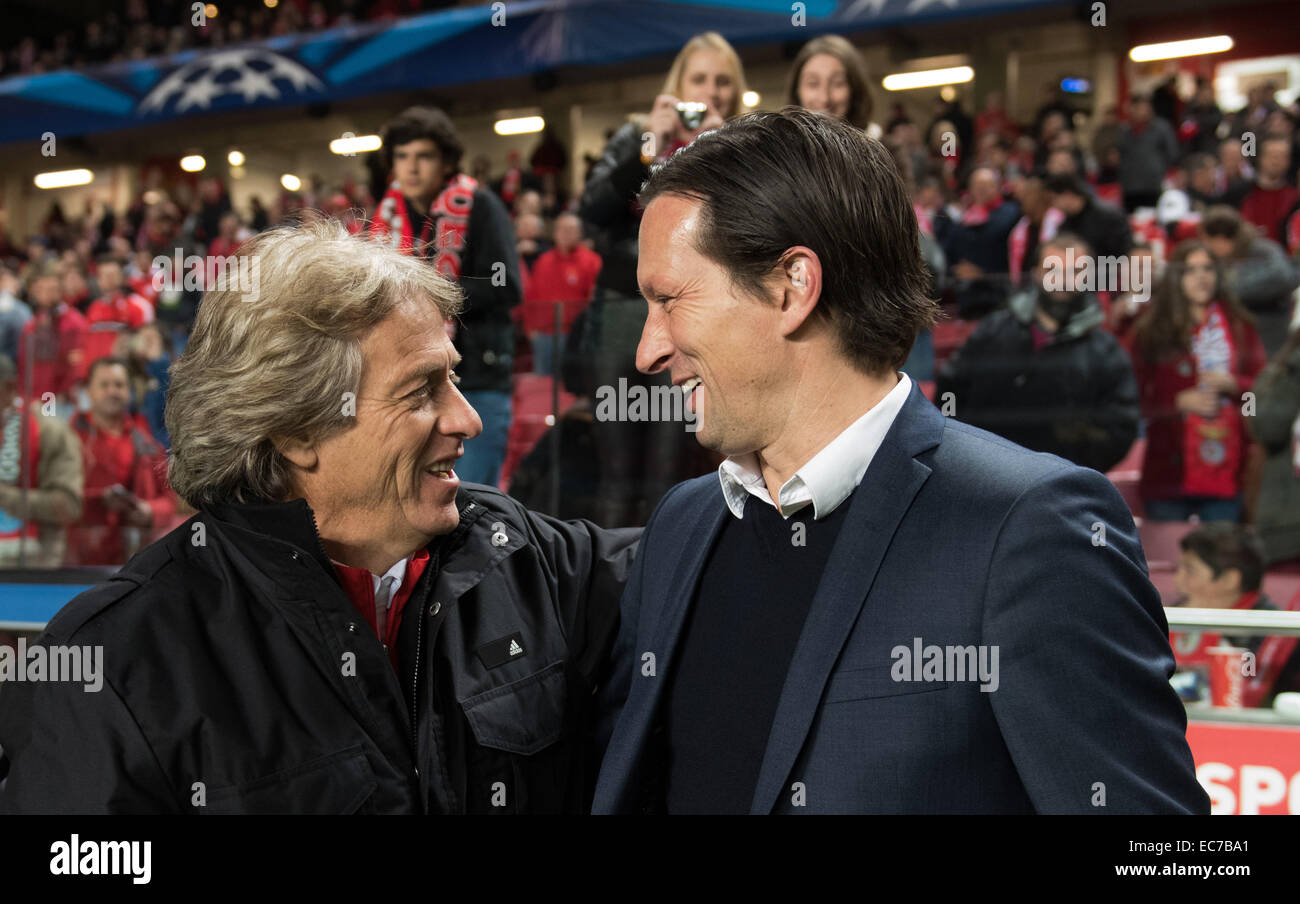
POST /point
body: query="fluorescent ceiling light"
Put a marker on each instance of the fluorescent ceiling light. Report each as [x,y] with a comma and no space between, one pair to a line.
[64,178]
[928,78]
[358,144]
[522,125]
[1170,50]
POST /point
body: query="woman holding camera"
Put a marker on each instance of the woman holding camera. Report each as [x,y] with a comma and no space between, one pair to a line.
[706,72]
[637,462]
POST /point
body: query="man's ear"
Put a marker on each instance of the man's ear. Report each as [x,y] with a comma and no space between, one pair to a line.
[801,287]
[301,453]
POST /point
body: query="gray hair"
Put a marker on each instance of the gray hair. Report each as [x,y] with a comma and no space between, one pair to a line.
[277,364]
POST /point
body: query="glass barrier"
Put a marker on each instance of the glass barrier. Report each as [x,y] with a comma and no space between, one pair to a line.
[587,434]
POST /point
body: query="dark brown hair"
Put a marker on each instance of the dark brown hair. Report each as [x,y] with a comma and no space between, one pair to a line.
[415,123]
[1222,221]
[770,181]
[860,100]
[106,361]
[1165,329]
[1223,545]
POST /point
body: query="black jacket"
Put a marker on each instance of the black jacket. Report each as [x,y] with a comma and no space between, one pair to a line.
[238,674]
[610,210]
[1076,397]
[485,336]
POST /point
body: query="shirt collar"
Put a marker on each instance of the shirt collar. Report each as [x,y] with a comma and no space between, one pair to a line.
[828,477]
[397,573]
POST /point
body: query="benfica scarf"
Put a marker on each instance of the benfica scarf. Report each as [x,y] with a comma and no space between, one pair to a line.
[1212,447]
[19,461]
[445,233]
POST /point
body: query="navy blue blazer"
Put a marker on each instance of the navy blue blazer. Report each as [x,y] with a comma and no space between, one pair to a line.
[954,538]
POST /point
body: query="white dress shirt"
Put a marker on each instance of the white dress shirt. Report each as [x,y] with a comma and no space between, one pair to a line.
[391,581]
[829,476]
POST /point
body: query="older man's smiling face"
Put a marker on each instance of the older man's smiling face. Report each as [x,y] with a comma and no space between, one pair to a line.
[724,346]
[389,479]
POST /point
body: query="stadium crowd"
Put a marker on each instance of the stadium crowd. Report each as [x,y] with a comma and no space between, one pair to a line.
[138,29]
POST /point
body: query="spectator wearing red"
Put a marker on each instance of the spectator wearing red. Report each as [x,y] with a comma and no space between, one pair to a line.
[567,273]
[1273,196]
[72,283]
[117,311]
[1221,566]
[141,278]
[51,348]
[228,241]
[1039,223]
[995,119]
[123,468]
[1195,351]
[515,181]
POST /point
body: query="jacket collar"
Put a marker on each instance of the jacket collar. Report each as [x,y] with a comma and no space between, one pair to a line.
[291,522]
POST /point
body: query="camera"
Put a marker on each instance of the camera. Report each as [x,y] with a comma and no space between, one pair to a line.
[691,114]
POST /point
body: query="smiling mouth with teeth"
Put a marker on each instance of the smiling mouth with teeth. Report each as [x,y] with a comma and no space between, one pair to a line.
[688,386]
[442,469]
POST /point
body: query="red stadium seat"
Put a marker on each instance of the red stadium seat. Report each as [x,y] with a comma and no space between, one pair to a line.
[1282,586]
[1128,474]
[1160,543]
[532,407]
[950,334]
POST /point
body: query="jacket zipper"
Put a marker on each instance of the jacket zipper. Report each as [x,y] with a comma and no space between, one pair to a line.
[320,544]
[419,637]
[415,694]
[434,563]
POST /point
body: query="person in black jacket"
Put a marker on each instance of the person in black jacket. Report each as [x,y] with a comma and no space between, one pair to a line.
[1104,228]
[639,462]
[1043,374]
[437,212]
[344,626]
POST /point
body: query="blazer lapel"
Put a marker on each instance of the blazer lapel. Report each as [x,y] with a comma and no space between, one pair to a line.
[879,504]
[695,537]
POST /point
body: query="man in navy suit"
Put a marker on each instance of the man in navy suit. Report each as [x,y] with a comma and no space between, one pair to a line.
[870,607]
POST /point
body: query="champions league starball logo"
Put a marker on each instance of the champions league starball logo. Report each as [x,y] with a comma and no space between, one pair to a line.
[251,73]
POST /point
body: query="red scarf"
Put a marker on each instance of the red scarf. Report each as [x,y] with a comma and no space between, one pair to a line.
[445,231]
[1212,447]
[1018,242]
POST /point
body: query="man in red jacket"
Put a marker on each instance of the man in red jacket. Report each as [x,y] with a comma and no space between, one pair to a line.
[567,273]
[1268,202]
[117,311]
[50,350]
[123,466]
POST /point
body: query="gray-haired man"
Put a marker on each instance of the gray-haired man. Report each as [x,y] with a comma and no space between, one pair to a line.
[343,627]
